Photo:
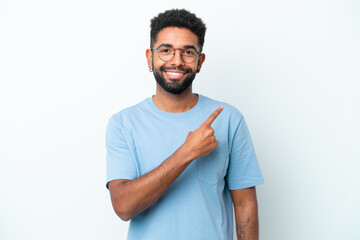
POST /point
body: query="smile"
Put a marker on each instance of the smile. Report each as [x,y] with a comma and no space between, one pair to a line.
[174,74]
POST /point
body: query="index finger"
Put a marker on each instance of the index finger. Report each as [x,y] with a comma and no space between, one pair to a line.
[213,116]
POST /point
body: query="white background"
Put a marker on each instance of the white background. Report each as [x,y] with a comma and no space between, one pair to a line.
[291,67]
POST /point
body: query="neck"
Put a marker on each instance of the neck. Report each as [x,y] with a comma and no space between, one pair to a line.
[174,103]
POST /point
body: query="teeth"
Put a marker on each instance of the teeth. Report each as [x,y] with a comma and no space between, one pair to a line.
[174,73]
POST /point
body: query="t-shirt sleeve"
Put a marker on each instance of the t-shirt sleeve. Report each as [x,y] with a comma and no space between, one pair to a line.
[120,162]
[244,170]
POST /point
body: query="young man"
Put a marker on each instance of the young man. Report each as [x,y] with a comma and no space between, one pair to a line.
[178,162]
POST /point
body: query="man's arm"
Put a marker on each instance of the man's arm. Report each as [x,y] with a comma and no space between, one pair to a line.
[246,213]
[131,197]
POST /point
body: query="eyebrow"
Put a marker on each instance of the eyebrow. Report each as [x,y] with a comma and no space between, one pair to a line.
[170,45]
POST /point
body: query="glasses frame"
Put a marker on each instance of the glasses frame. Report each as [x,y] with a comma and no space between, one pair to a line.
[181,50]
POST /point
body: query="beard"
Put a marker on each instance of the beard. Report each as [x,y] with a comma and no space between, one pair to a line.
[174,86]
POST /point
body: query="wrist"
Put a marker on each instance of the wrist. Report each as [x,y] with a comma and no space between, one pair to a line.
[184,155]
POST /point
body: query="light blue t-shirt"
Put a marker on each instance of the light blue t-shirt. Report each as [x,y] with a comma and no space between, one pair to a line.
[198,204]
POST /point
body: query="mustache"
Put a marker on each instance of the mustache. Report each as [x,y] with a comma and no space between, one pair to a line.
[188,70]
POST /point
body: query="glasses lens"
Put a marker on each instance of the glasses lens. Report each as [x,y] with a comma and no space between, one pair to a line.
[166,53]
[189,55]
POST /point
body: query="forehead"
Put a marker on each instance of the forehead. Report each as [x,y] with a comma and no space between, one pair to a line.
[177,37]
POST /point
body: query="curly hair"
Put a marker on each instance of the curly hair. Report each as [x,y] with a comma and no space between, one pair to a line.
[177,18]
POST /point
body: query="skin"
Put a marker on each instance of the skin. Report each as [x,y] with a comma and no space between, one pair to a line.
[131,197]
[246,213]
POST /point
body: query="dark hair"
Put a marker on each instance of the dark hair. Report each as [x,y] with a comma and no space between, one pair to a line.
[177,18]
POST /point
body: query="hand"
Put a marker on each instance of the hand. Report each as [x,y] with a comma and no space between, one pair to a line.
[202,141]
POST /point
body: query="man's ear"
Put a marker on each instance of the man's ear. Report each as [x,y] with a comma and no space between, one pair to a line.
[200,62]
[149,59]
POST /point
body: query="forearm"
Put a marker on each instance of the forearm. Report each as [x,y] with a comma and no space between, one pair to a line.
[130,198]
[247,224]
[246,213]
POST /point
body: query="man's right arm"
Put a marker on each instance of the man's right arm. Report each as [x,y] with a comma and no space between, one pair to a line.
[131,197]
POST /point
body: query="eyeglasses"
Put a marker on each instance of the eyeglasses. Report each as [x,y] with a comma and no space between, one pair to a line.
[166,53]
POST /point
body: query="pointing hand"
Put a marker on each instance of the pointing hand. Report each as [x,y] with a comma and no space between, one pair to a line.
[202,141]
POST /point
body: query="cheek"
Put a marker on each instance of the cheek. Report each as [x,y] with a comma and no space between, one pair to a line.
[156,62]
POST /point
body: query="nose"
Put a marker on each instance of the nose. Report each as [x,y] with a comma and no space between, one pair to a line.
[177,59]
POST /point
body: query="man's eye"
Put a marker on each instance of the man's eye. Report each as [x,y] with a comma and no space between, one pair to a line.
[165,50]
[189,52]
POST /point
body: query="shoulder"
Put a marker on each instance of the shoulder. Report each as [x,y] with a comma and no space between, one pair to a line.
[127,115]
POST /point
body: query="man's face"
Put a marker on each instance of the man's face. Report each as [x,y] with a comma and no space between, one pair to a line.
[174,76]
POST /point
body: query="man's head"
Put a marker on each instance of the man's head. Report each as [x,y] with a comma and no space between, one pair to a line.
[177,38]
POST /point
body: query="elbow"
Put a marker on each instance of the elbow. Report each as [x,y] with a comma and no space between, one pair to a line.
[123,206]
[123,213]
[124,217]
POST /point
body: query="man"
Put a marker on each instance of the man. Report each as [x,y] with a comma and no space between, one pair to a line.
[178,162]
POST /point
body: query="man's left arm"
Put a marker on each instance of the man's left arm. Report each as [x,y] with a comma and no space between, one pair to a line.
[246,213]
